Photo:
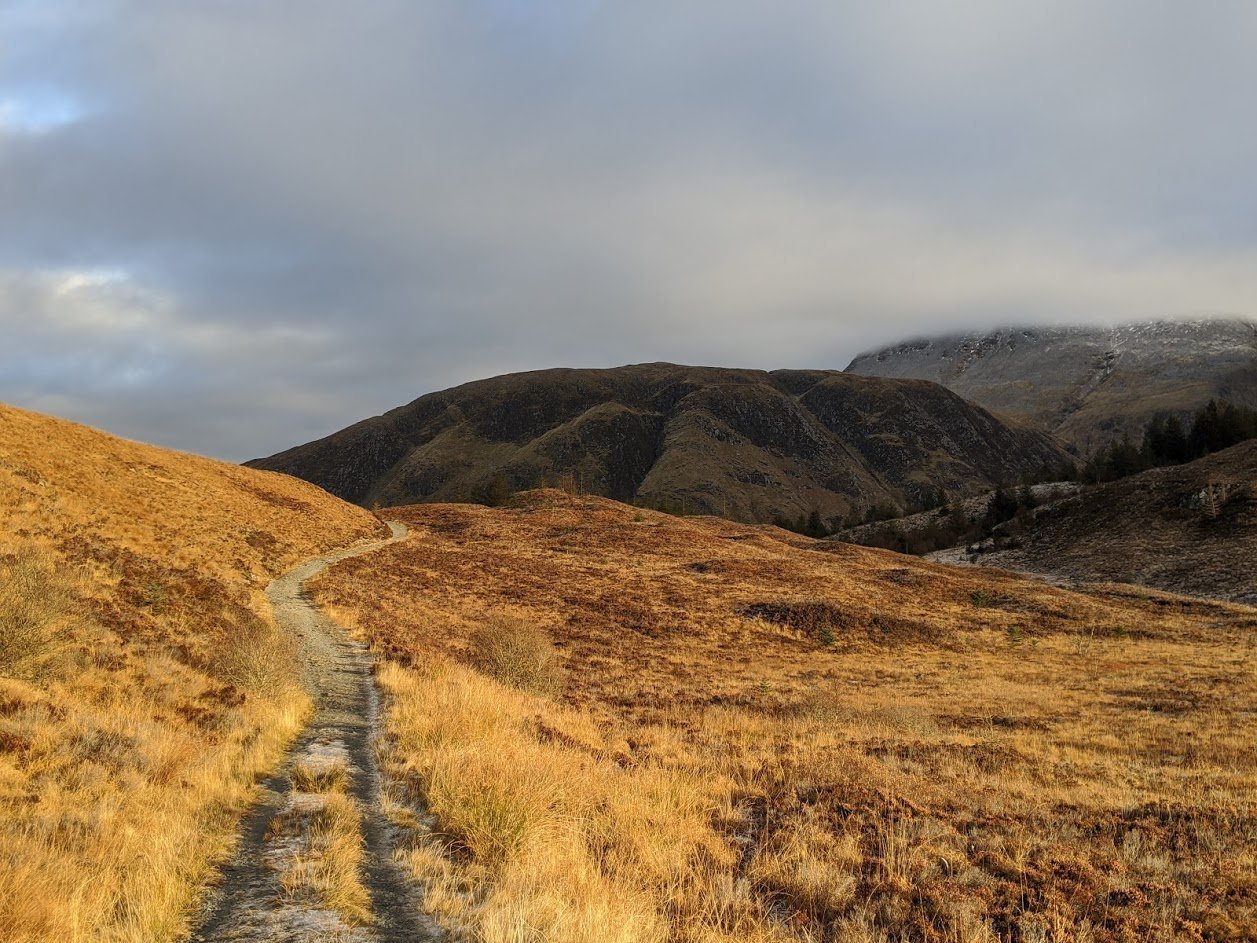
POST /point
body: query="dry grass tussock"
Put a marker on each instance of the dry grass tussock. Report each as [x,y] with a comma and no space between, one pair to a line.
[517,652]
[760,737]
[141,690]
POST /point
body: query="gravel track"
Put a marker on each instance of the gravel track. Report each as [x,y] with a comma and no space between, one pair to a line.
[250,904]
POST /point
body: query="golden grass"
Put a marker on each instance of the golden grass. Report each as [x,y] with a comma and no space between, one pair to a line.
[536,841]
[35,609]
[127,746]
[320,777]
[67,484]
[761,737]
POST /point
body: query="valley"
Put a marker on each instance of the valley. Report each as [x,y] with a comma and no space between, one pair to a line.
[1188,528]
[232,706]
[434,507]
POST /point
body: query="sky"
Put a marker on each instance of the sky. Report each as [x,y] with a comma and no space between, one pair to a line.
[231,226]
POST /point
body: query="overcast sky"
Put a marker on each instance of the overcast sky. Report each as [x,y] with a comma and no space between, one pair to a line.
[230,226]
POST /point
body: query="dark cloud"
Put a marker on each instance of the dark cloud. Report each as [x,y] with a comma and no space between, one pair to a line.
[232,226]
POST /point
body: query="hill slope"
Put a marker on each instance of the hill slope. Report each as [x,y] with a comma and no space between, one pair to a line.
[1189,529]
[741,443]
[142,690]
[1087,385]
[63,484]
[744,735]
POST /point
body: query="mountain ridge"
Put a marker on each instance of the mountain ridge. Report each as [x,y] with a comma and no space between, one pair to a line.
[1087,385]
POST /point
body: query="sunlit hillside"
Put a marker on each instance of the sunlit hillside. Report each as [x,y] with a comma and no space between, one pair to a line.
[738,734]
[141,687]
[64,485]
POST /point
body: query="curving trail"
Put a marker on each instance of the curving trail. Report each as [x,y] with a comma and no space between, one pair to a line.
[252,903]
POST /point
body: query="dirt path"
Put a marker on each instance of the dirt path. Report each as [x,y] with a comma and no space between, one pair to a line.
[262,897]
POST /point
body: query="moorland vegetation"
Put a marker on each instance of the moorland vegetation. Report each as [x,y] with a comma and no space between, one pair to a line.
[743,734]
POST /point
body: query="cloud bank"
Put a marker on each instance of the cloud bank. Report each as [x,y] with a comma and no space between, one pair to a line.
[233,226]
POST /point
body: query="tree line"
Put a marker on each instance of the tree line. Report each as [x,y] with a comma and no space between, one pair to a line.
[1166,440]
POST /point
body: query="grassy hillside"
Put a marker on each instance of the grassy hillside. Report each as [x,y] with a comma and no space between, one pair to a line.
[739,734]
[141,689]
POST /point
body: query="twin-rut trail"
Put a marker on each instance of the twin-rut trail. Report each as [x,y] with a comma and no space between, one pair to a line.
[253,902]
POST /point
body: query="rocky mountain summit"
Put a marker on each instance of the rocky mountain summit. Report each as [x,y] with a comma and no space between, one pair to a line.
[745,444]
[1088,385]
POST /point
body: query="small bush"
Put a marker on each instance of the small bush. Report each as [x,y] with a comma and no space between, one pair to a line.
[35,601]
[981,599]
[517,652]
[257,658]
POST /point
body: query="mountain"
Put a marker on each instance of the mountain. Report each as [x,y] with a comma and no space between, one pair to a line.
[745,444]
[1087,385]
[1187,529]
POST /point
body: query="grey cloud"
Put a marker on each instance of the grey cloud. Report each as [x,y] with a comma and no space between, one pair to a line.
[316,210]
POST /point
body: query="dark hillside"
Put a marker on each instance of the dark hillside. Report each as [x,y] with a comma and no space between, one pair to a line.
[1188,529]
[746,444]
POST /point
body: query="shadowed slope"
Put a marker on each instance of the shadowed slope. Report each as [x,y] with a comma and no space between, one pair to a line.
[1190,529]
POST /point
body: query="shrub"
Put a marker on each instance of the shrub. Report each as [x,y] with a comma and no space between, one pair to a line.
[156,597]
[257,658]
[517,652]
[35,601]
